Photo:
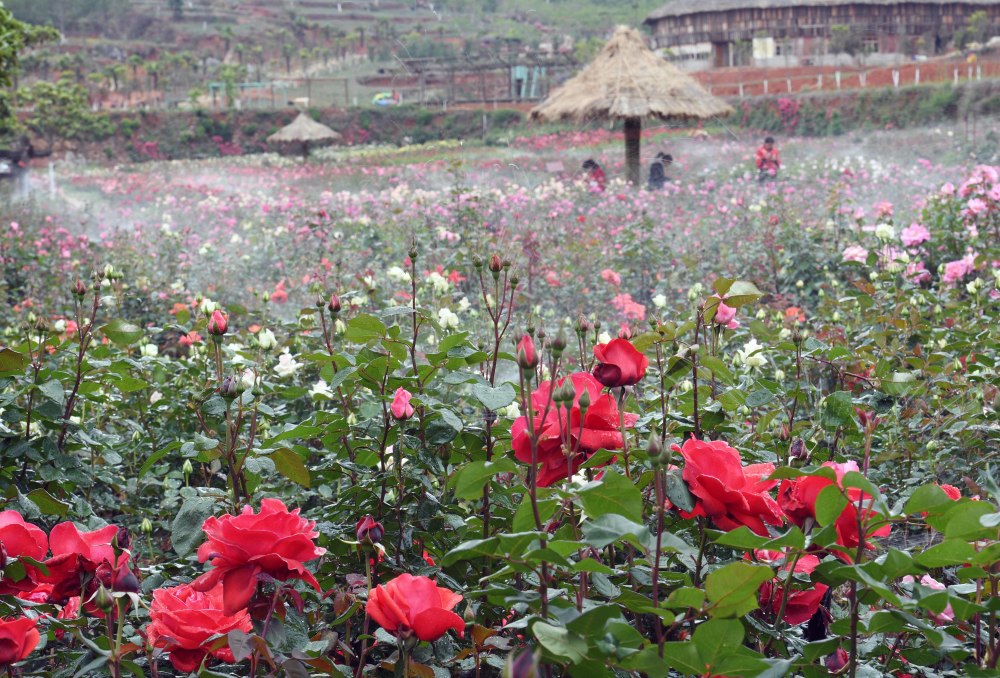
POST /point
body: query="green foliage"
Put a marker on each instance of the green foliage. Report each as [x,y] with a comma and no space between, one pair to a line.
[60,111]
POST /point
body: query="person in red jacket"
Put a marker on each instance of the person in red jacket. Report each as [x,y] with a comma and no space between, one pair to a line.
[598,180]
[768,161]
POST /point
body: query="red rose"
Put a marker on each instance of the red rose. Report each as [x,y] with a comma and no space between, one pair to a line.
[187,622]
[800,606]
[274,542]
[18,637]
[599,428]
[797,499]
[728,492]
[619,364]
[75,557]
[417,605]
[18,538]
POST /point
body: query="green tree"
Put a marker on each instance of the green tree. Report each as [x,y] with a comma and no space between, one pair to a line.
[15,37]
[845,40]
[60,110]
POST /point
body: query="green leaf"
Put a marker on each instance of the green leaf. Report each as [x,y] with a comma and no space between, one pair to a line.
[741,293]
[48,504]
[732,590]
[186,532]
[157,456]
[494,398]
[964,521]
[130,384]
[611,527]
[838,410]
[925,498]
[684,597]
[364,328]
[470,479]
[288,463]
[684,657]
[560,642]
[613,493]
[121,332]
[648,662]
[716,639]
[12,361]
[53,390]
[830,503]
[678,492]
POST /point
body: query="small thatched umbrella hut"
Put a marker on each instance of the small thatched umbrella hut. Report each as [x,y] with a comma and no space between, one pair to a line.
[302,134]
[626,80]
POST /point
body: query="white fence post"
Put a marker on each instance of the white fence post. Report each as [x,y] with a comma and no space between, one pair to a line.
[819,81]
[765,87]
[836,77]
[895,78]
[789,83]
[956,75]
[741,90]
[979,72]
[916,76]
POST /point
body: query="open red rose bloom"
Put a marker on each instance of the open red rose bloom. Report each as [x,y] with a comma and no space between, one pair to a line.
[619,364]
[275,542]
[800,605]
[20,538]
[728,492]
[585,434]
[187,623]
[417,605]
[798,500]
[18,637]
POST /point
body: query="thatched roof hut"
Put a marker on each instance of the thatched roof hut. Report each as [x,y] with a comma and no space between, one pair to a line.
[303,133]
[627,81]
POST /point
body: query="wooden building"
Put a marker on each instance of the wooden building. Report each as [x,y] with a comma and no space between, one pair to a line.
[716,33]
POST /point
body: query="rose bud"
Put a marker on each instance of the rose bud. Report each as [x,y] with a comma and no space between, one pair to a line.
[401,407]
[368,531]
[230,387]
[527,358]
[218,324]
[334,305]
[79,289]
[495,265]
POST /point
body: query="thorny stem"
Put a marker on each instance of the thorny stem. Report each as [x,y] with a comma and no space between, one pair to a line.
[36,367]
[345,405]
[85,334]
[660,500]
[785,590]
[694,376]
[364,627]
[621,423]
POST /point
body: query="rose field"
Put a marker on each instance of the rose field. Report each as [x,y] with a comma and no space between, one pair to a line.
[451,410]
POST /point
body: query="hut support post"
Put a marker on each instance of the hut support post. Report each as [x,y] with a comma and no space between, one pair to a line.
[633,131]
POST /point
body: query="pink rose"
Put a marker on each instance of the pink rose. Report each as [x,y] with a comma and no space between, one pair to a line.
[401,407]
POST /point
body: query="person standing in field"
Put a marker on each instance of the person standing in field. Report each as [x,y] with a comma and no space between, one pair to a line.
[658,171]
[598,180]
[768,161]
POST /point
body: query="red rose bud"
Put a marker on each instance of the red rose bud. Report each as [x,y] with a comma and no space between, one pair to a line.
[619,364]
[218,324]
[334,304]
[369,531]
[79,289]
[496,264]
[527,359]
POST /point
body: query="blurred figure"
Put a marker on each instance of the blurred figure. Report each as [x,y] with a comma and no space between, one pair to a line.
[658,171]
[768,161]
[598,180]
